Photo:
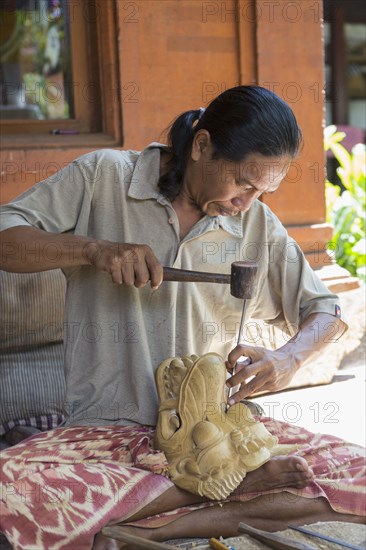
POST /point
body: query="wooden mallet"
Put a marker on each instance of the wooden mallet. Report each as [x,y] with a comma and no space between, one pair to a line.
[242,280]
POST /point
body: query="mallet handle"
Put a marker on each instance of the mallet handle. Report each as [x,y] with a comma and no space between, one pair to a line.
[242,278]
[187,276]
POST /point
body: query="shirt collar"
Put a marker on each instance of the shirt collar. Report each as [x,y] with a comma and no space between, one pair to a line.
[144,185]
[232,224]
[145,177]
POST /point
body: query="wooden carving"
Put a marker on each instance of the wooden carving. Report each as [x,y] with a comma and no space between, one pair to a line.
[209,448]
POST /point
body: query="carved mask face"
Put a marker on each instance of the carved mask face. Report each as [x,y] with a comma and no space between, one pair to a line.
[208,454]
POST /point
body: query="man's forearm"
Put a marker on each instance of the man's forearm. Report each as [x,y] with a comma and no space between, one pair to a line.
[27,249]
[318,331]
[273,370]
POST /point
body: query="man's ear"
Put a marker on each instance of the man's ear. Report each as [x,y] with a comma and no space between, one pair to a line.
[200,144]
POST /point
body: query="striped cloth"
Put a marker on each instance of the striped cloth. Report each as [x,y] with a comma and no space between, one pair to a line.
[32,381]
[43,423]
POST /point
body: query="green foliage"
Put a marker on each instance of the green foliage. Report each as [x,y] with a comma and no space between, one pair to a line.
[346,210]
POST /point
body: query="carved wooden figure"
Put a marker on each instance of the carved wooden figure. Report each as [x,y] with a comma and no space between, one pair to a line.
[209,448]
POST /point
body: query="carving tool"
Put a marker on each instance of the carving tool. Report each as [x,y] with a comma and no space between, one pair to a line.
[325,537]
[218,545]
[279,542]
[242,280]
[117,532]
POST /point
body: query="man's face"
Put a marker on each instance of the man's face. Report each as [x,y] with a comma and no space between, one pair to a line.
[219,187]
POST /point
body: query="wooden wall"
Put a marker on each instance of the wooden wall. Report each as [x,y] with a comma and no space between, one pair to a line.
[179,57]
[176,55]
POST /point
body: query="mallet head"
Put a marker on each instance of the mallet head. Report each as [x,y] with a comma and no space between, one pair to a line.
[243,281]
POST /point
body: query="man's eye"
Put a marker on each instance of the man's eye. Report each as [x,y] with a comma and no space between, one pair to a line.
[244,186]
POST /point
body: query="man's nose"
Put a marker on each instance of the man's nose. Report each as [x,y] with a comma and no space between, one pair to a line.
[243,203]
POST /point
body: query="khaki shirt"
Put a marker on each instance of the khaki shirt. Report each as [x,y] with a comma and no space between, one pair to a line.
[116,336]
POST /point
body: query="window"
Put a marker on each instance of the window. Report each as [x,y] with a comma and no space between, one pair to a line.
[345,62]
[53,81]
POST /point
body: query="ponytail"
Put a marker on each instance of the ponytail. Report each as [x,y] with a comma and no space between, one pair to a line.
[180,140]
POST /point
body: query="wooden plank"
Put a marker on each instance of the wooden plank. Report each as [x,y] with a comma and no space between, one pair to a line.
[343,285]
[175,56]
[319,258]
[247,54]
[290,62]
[312,237]
[339,66]
[117,532]
[108,63]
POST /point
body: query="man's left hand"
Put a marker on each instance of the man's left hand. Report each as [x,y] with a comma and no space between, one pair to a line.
[272,370]
[267,371]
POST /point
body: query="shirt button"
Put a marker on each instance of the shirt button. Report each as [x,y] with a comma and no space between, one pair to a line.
[171,220]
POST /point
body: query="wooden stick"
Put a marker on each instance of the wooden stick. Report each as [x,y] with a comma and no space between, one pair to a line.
[272,540]
[186,276]
[118,533]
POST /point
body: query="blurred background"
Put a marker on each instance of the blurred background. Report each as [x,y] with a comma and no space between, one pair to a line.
[77,75]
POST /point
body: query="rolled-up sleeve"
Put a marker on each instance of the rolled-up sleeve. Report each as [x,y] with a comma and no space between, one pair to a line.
[56,204]
[295,287]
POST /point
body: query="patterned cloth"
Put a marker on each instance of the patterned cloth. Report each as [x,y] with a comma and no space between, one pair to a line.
[60,488]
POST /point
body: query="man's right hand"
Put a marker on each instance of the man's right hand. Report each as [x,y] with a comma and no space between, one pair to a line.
[129,264]
[26,249]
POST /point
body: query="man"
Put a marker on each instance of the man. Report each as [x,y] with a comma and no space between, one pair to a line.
[116,218]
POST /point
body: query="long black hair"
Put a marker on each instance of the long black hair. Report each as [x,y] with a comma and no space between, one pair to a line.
[240,121]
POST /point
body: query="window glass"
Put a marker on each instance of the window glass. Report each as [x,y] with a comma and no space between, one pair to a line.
[35,66]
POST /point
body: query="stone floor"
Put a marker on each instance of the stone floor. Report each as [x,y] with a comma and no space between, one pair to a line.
[338,408]
[352,534]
